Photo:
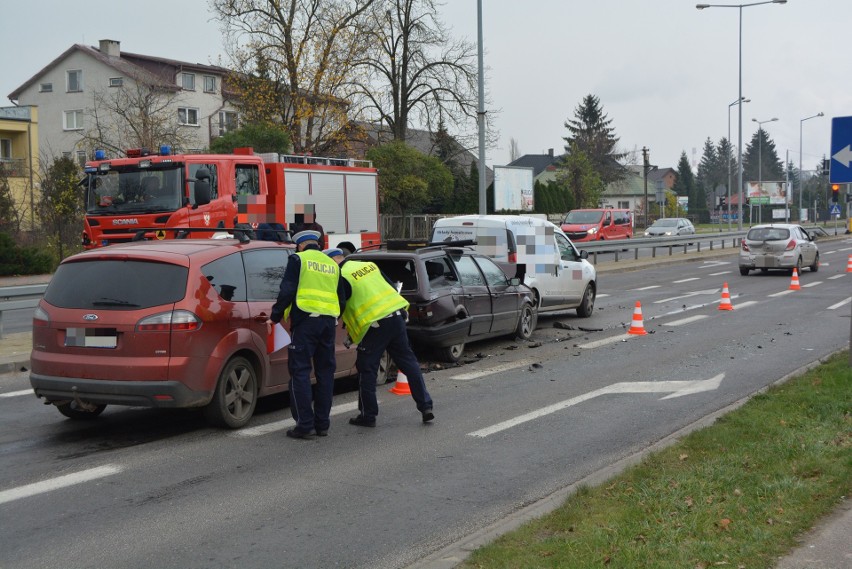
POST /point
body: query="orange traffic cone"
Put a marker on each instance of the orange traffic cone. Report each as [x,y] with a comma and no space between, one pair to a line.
[726,299]
[637,326]
[401,385]
[794,284]
[849,265]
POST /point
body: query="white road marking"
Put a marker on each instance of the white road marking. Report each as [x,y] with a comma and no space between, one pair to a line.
[492,370]
[286,423]
[679,388]
[782,293]
[602,295]
[841,303]
[811,284]
[611,340]
[745,304]
[647,287]
[688,295]
[711,264]
[687,280]
[57,483]
[718,274]
[689,320]
[18,393]
[836,277]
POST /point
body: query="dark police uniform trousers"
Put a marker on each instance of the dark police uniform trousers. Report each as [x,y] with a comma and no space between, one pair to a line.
[390,335]
[312,342]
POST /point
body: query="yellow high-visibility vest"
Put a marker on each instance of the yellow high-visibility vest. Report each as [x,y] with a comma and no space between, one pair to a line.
[318,277]
[372,298]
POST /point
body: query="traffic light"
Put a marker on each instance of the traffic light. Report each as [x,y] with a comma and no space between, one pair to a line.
[835,193]
[826,164]
[723,200]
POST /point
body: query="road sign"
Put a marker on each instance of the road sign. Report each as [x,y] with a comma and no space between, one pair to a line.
[834,209]
[841,150]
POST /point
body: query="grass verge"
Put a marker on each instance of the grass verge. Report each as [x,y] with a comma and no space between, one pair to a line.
[735,494]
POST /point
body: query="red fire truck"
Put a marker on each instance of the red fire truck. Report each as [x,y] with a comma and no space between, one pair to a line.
[155,195]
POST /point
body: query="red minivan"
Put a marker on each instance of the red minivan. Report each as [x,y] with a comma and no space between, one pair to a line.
[173,323]
[598,224]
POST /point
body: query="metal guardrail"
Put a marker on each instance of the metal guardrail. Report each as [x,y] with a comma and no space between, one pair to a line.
[17,297]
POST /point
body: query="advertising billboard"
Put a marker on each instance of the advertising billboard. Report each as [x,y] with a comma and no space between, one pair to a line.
[513,189]
[760,193]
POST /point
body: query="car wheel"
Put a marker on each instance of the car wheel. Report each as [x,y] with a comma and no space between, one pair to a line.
[235,397]
[587,305]
[798,268]
[815,267]
[526,322]
[73,410]
[451,354]
[744,271]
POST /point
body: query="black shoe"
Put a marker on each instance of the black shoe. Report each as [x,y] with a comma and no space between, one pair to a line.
[297,434]
[428,415]
[362,421]
[322,433]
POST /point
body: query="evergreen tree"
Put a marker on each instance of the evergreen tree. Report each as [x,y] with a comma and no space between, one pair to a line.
[579,178]
[710,175]
[260,137]
[685,184]
[591,132]
[760,159]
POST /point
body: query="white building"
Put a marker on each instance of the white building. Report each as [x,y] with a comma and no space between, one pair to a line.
[70,93]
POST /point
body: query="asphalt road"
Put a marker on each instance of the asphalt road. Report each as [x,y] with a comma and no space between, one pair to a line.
[514,424]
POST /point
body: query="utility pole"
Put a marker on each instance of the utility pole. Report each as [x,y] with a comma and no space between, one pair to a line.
[645,169]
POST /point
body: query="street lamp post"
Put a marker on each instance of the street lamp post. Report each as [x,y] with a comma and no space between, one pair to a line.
[801,180]
[728,158]
[760,163]
[740,129]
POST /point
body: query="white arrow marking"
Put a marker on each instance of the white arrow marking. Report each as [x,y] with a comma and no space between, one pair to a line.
[680,388]
[844,156]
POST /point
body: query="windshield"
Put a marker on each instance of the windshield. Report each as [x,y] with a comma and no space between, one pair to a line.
[129,189]
[583,217]
[665,223]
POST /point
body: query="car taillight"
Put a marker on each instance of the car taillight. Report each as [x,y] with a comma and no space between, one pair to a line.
[744,245]
[174,321]
[791,245]
[40,318]
[420,312]
[513,257]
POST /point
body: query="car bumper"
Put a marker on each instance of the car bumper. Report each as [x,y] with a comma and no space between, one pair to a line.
[768,261]
[163,394]
[450,334]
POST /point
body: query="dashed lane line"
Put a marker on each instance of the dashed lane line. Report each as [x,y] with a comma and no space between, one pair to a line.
[17,393]
[687,280]
[492,370]
[689,320]
[719,274]
[840,276]
[57,483]
[811,284]
[286,423]
[841,303]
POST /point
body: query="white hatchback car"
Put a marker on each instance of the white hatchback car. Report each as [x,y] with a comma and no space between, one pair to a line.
[778,246]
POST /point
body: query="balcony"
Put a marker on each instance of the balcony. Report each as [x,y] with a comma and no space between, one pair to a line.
[14,167]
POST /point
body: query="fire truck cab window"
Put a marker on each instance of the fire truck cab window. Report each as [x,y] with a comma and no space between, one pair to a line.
[214,180]
[247,179]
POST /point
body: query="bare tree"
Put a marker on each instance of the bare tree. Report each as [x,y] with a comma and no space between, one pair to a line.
[414,72]
[514,150]
[136,115]
[293,59]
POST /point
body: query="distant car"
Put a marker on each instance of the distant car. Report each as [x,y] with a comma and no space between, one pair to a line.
[457,296]
[598,224]
[670,226]
[170,324]
[778,246]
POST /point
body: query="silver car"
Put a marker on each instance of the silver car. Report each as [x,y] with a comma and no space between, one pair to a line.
[670,226]
[778,246]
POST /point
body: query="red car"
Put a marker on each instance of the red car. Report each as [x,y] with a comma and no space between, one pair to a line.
[174,323]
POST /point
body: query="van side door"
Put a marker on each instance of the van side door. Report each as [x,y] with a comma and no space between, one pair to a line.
[571,270]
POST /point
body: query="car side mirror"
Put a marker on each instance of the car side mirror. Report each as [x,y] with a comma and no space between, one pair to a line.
[584,254]
[515,281]
[202,192]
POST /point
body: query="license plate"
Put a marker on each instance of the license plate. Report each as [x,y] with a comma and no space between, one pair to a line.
[91,338]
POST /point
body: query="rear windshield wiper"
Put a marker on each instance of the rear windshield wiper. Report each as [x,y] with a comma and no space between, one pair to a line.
[113,302]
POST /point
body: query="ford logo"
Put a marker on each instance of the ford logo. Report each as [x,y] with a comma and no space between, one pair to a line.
[90,317]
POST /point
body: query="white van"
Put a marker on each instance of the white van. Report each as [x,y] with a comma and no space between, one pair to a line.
[559,275]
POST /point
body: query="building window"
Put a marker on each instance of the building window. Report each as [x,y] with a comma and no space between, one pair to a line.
[227,122]
[116,81]
[623,205]
[209,84]
[187,116]
[45,88]
[5,149]
[73,120]
[81,158]
[187,81]
[75,81]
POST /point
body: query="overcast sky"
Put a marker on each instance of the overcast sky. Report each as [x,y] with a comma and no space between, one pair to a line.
[664,71]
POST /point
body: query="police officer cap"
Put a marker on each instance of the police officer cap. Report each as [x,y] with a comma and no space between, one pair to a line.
[334,252]
[306,235]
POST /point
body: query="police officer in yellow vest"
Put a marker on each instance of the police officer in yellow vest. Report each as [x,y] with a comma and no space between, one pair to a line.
[375,316]
[310,294]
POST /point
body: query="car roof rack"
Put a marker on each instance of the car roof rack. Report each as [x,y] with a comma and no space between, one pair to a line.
[417,245]
[241,234]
